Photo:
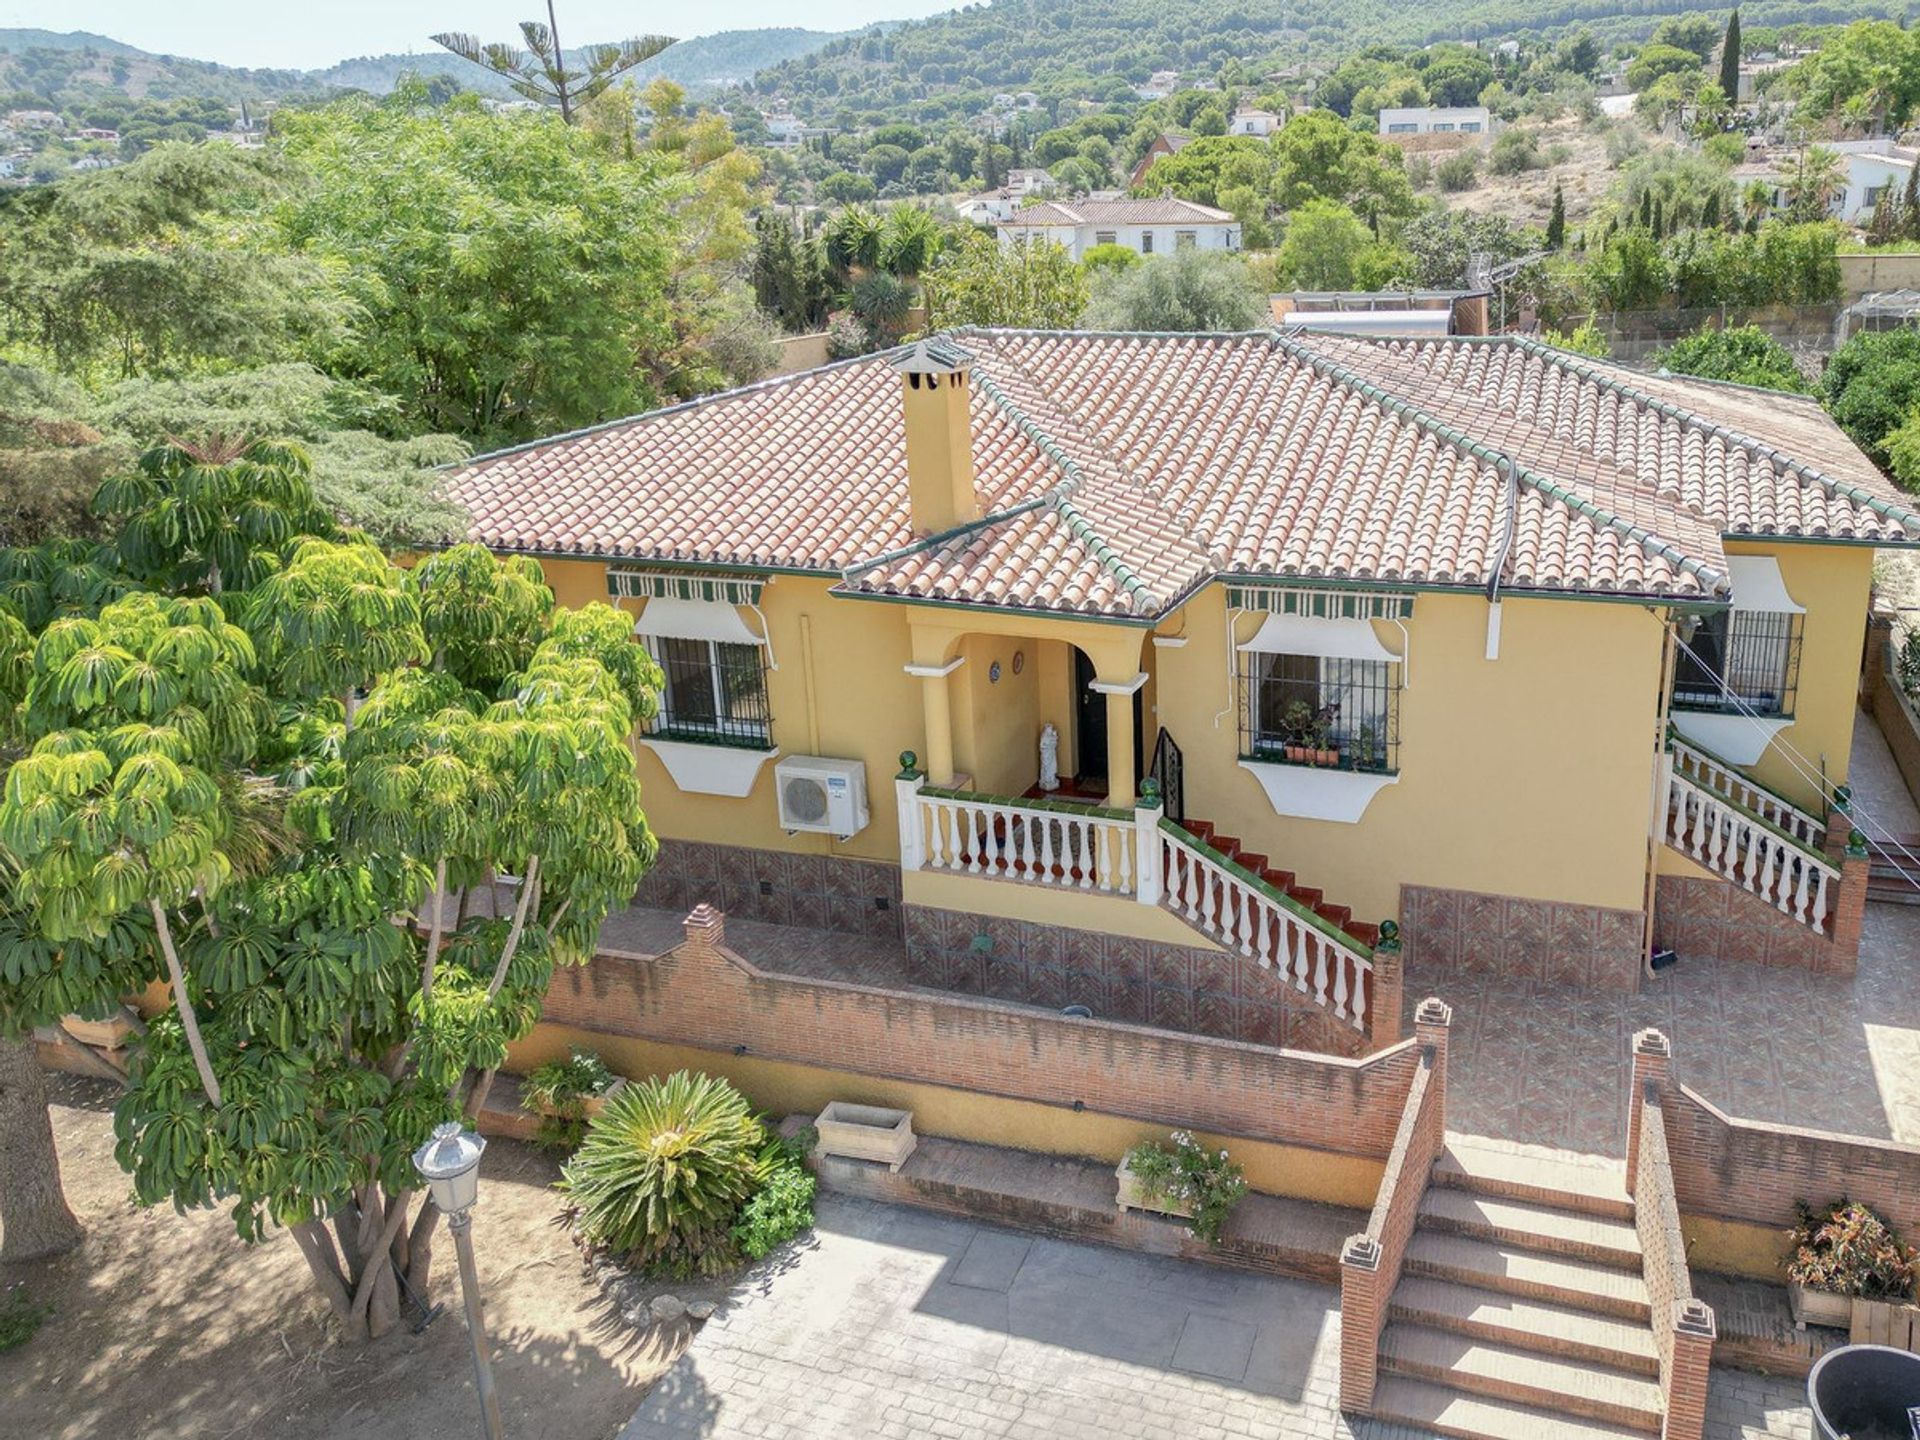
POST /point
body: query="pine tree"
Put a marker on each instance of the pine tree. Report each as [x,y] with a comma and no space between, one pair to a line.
[1730,60]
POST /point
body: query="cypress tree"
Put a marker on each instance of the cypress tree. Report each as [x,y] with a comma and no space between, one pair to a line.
[1658,223]
[1710,216]
[1557,222]
[1730,60]
[1646,209]
[1910,205]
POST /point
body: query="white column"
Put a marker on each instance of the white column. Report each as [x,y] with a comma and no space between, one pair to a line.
[1148,883]
[913,839]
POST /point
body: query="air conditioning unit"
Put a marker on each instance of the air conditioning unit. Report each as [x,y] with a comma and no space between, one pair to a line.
[828,797]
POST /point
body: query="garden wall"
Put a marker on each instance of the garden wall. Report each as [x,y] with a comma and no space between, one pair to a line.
[1895,716]
[983,1070]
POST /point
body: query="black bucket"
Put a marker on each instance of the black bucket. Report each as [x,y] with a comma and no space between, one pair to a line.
[1865,1392]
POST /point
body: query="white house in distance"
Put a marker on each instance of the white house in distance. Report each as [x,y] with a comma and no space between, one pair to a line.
[1873,168]
[1261,123]
[1152,227]
[1436,120]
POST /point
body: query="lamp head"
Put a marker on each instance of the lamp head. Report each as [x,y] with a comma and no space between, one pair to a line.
[450,1164]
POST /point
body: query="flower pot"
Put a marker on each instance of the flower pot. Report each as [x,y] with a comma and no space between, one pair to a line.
[1135,1194]
[1295,753]
[1819,1307]
[866,1132]
[596,1103]
[1326,757]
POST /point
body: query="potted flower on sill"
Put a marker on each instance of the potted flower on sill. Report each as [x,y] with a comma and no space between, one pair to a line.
[1325,752]
[1845,1257]
[1296,730]
[1366,748]
[565,1094]
[1183,1178]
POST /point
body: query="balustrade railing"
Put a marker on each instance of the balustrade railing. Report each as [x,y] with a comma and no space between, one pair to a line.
[1247,915]
[1751,851]
[1070,847]
[1727,781]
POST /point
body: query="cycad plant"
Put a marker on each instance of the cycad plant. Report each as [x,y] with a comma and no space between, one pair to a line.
[663,1172]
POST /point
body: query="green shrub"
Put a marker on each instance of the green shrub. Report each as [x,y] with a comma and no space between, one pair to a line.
[1745,354]
[1586,338]
[1846,1249]
[1872,385]
[1459,171]
[558,1092]
[20,1318]
[783,1205]
[663,1172]
[1206,1182]
[1515,151]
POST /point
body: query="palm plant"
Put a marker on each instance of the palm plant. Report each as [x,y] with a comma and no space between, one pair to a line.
[909,240]
[541,72]
[1817,174]
[663,1172]
[852,239]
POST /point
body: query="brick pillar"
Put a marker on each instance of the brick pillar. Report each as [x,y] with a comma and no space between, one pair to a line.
[1686,1378]
[1363,1315]
[1850,906]
[1873,666]
[1431,1020]
[706,929]
[1839,824]
[1652,1065]
[1389,975]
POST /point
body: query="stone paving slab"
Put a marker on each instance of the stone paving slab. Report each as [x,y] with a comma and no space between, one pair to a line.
[864,1333]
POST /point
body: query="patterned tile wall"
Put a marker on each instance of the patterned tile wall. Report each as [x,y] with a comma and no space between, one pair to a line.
[1711,919]
[1585,945]
[1198,991]
[820,892]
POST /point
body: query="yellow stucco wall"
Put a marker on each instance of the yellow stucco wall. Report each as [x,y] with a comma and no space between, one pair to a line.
[781,1088]
[1529,775]
[1832,582]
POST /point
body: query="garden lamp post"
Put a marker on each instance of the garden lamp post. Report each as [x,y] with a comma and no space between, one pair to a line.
[450,1164]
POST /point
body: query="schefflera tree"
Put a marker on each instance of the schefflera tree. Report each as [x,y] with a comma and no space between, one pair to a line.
[419,734]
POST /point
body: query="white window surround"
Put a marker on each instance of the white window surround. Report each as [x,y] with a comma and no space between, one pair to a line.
[1310,635]
[1742,739]
[1301,792]
[696,620]
[698,768]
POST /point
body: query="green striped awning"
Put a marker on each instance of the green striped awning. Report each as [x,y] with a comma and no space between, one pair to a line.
[1321,604]
[628,584]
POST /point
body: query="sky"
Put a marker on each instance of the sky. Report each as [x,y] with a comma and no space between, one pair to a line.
[318,33]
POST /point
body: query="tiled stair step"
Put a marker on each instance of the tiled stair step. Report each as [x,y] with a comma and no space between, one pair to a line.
[1595,1392]
[1524,1324]
[1557,1279]
[1447,1411]
[1522,1224]
[1596,1188]
[1338,916]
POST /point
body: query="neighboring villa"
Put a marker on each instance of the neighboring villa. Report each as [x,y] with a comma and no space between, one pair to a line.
[1512,648]
[1261,123]
[1162,145]
[1872,168]
[1436,120]
[1151,227]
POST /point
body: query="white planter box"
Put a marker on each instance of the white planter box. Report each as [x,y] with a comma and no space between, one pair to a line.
[1819,1307]
[108,1034]
[1134,1195]
[866,1132]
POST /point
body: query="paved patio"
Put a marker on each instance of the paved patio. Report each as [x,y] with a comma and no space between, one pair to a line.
[898,1323]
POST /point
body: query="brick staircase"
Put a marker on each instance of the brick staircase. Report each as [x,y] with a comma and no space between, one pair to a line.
[1230,848]
[1521,1312]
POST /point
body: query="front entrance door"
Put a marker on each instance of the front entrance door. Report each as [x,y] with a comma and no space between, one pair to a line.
[1090,727]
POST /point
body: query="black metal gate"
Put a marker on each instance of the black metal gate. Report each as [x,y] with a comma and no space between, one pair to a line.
[1169,773]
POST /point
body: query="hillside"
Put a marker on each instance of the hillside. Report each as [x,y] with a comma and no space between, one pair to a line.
[1100,48]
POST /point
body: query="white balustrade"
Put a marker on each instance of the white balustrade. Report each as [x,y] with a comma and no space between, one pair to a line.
[1003,839]
[1728,783]
[1733,843]
[1244,917]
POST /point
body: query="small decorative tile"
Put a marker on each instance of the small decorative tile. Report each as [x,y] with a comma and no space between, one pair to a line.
[1126,1000]
[1084,950]
[1216,1014]
[847,914]
[1043,944]
[1006,978]
[1261,1023]
[1047,985]
[1168,965]
[1086,987]
[1214,970]
[1127,958]
[808,910]
[1171,1007]
[807,873]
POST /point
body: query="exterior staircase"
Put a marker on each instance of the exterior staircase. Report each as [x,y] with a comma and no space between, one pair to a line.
[1231,849]
[1522,1312]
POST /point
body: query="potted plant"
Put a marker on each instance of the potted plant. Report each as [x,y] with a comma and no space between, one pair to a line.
[1325,752]
[565,1094]
[1296,730]
[1367,748]
[1844,1256]
[1184,1178]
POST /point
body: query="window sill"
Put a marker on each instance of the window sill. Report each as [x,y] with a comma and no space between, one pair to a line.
[709,766]
[1318,792]
[1738,739]
[1338,767]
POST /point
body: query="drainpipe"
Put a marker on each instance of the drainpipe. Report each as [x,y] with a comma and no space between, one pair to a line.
[1657,813]
[1511,473]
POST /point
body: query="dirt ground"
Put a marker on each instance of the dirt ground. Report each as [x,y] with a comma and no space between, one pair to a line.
[166,1325]
[1527,198]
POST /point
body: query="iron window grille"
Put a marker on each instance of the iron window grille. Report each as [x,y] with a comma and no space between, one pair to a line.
[1323,711]
[715,692]
[1743,662]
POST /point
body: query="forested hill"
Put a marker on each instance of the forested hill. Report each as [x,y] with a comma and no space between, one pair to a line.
[1100,48]
[65,69]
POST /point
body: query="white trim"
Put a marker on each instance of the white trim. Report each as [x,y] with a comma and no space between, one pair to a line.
[698,769]
[1118,687]
[1739,739]
[1302,792]
[1170,642]
[935,672]
[1306,635]
[673,619]
[1493,630]
[1758,586]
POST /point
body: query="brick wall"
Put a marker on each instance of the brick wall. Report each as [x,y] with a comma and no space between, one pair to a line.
[1587,945]
[1195,988]
[1703,919]
[1893,712]
[821,892]
[703,995]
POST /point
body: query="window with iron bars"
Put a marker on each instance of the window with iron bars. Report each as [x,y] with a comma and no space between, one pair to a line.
[1740,662]
[1320,710]
[715,692]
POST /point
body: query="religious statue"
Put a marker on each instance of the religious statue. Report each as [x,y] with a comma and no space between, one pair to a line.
[1049,757]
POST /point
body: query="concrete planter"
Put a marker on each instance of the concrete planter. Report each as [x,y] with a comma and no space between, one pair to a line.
[597,1103]
[1135,1194]
[108,1034]
[1819,1307]
[866,1132]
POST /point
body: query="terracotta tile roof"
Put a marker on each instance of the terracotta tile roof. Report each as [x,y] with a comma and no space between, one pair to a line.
[1166,211]
[1119,472]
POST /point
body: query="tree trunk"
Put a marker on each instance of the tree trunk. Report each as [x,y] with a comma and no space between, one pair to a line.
[360,1260]
[34,1219]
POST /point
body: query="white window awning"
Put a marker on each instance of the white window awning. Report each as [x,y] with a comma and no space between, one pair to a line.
[675,619]
[1757,585]
[1305,635]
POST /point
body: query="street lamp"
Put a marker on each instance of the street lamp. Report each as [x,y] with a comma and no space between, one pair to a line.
[450,1164]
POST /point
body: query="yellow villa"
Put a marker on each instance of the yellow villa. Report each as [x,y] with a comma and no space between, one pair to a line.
[1203,680]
